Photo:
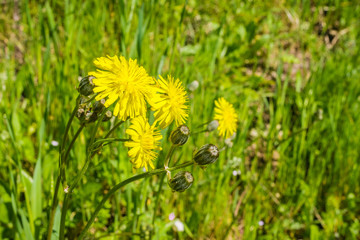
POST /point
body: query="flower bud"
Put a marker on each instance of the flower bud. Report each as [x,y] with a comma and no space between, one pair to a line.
[180,135]
[86,86]
[80,114]
[181,181]
[207,154]
[98,106]
[91,117]
[107,116]
[213,125]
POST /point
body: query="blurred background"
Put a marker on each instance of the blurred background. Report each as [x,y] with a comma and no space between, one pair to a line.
[291,69]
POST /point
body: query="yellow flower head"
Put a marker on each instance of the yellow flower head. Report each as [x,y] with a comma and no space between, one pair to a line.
[226,115]
[122,80]
[170,102]
[144,140]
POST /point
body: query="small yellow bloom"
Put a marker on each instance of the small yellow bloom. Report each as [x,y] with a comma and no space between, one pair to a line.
[144,140]
[122,80]
[226,115]
[170,102]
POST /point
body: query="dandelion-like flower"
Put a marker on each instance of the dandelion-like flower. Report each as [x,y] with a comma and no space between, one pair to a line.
[122,80]
[144,140]
[170,102]
[226,115]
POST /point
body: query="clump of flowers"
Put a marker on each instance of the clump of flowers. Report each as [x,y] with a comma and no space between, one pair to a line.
[127,87]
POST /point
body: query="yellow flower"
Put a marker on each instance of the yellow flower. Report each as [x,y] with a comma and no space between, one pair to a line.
[170,102]
[227,117]
[144,140]
[122,80]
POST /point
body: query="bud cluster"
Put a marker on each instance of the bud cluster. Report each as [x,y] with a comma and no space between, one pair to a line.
[89,112]
[206,155]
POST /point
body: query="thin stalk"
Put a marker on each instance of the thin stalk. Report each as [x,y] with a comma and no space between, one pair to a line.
[72,143]
[58,180]
[113,128]
[201,131]
[158,197]
[79,176]
[53,207]
[167,159]
[62,146]
[63,216]
[124,183]
[107,140]
[169,155]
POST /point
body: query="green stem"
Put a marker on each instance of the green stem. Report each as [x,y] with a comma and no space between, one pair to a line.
[90,154]
[72,143]
[62,167]
[122,184]
[107,140]
[158,197]
[53,207]
[168,156]
[113,128]
[168,174]
[62,146]
[63,216]
[198,132]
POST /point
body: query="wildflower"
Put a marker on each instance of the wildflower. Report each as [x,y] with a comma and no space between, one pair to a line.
[144,140]
[170,102]
[171,216]
[179,225]
[180,135]
[181,181]
[207,154]
[226,115]
[213,125]
[193,86]
[122,80]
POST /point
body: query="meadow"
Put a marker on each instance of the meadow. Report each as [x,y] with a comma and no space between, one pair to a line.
[291,69]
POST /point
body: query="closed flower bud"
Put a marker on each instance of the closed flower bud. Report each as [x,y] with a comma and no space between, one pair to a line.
[207,154]
[98,106]
[86,86]
[180,135]
[181,181]
[107,116]
[213,125]
[80,114]
[91,117]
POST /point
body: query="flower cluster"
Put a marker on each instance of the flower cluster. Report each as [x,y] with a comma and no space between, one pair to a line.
[128,87]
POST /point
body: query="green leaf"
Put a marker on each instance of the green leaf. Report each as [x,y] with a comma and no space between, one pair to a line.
[36,198]
[26,225]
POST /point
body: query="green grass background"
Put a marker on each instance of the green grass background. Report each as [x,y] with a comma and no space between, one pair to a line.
[291,69]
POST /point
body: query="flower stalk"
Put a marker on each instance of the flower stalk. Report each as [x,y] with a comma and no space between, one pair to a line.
[122,184]
[62,165]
